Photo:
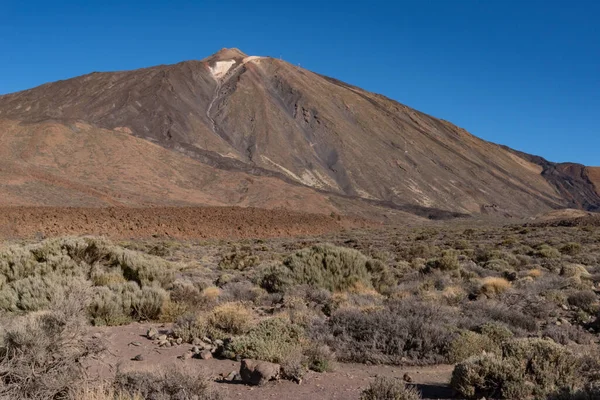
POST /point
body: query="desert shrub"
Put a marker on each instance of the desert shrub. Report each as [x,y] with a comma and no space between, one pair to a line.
[34,275]
[109,307]
[489,376]
[467,344]
[584,299]
[497,265]
[497,332]
[383,388]
[448,261]
[272,339]
[184,292]
[275,278]
[190,326]
[402,330]
[118,304]
[493,286]
[565,334]
[171,311]
[574,271]
[320,358]
[239,259]
[546,251]
[244,291]
[41,354]
[570,248]
[383,278]
[527,368]
[293,366]
[232,318]
[170,383]
[513,317]
[334,268]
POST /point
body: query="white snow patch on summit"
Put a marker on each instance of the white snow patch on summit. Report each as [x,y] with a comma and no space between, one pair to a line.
[221,67]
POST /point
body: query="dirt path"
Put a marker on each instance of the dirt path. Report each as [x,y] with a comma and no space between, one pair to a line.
[346,382]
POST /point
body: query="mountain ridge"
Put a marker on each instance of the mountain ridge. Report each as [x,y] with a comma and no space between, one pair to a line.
[267,118]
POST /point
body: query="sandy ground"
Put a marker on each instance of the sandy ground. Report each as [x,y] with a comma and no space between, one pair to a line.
[346,382]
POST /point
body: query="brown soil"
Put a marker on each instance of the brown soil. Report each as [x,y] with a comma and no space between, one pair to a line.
[173,222]
[346,382]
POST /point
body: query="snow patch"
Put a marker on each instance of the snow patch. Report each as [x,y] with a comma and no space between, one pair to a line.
[221,68]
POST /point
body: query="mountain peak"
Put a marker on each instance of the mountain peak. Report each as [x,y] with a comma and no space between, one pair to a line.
[226,54]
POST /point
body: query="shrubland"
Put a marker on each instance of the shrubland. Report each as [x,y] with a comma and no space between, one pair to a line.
[514,306]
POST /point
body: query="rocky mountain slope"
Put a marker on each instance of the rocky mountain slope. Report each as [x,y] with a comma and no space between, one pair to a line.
[239,130]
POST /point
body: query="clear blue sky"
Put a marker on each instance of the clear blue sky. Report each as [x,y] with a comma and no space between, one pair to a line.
[524,73]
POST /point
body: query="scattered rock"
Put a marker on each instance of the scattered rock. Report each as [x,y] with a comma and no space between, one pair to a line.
[179,341]
[407,378]
[162,337]
[255,372]
[196,349]
[205,355]
[564,321]
[206,340]
[136,344]
[218,342]
[231,377]
[152,333]
[139,357]
[197,341]
[186,356]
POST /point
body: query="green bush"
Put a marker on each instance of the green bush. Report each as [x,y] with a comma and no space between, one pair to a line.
[571,248]
[127,284]
[383,388]
[546,251]
[239,259]
[329,267]
[272,340]
[448,261]
[497,332]
[527,368]
[468,344]
[190,326]
[320,358]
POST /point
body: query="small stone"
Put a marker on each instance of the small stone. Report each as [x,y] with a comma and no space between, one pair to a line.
[564,321]
[197,341]
[162,337]
[196,349]
[565,307]
[257,372]
[186,356]
[164,343]
[179,341]
[136,344]
[231,376]
[407,378]
[219,342]
[205,354]
[152,333]
[206,340]
[139,357]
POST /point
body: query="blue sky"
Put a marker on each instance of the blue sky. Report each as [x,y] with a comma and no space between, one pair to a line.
[525,73]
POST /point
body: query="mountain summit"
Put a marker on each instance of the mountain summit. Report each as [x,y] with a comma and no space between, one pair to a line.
[246,130]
